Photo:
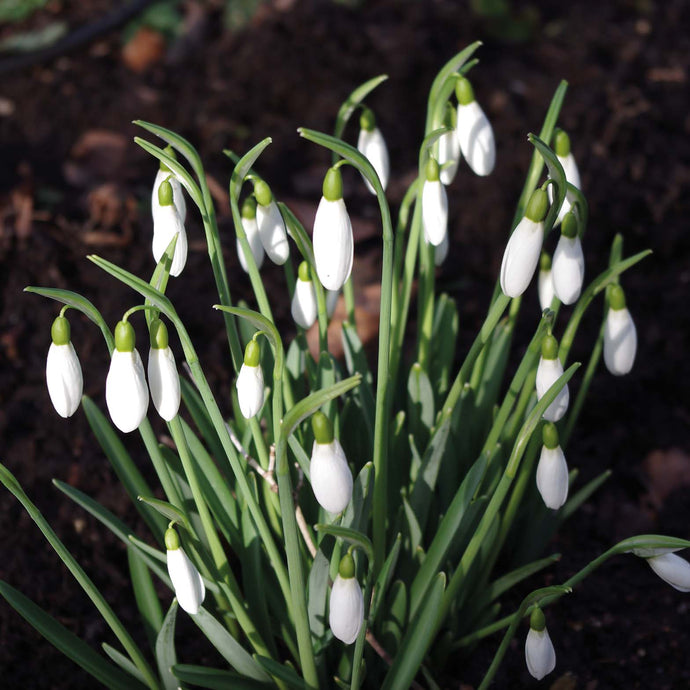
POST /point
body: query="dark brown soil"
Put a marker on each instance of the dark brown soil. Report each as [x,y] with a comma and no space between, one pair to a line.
[73,183]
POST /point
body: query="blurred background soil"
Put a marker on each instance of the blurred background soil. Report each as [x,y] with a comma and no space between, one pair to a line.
[72,183]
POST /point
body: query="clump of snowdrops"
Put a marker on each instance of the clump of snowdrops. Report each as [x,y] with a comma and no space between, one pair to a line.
[336,525]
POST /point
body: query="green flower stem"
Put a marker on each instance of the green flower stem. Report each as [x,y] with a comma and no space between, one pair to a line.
[425,323]
[359,644]
[349,295]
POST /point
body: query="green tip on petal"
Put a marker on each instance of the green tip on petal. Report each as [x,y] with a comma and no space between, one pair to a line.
[549,435]
[561,143]
[252,354]
[367,120]
[124,336]
[249,208]
[262,192]
[537,620]
[346,569]
[432,170]
[333,185]
[544,262]
[322,427]
[60,331]
[537,206]
[569,226]
[549,347]
[304,273]
[464,91]
[159,335]
[165,194]
[616,297]
[172,541]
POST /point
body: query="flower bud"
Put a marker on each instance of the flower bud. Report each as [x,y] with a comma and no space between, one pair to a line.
[271,224]
[167,224]
[620,335]
[346,613]
[250,382]
[672,569]
[186,580]
[561,145]
[372,145]
[164,381]
[164,173]
[539,652]
[552,470]
[434,205]
[251,230]
[304,309]
[568,270]
[545,282]
[331,479]
[473,130]
[549,371]
[63,371]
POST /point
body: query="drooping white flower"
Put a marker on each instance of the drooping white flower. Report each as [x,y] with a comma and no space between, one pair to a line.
[539,652]
[164,173]
[164,381]
[545,282]
[63,371]
[126,393]
[672,569]
[561,144]
[332,237]
[549,371]
[441,251]
[620,335]
[568,269]
[331,479]
[522,252]
[552,470]
[331,301]
[304,308]
[271,225]
[474,132]
[166,225]
[251,231]
[186,579]
[434,205]
[372,145]
[346,608]
[250,382]
[448,148]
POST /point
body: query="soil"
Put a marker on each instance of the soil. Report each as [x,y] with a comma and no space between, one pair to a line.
[72,183]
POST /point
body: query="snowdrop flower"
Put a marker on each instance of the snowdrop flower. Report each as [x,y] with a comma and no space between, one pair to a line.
[434,205]
[373,146]
[126,394]
[331,302]
[672,569]
[561,146]
[522,252]
[250,381]
[548,371]
[441,251]
[304,309]
[552,470]
[568,270]
[186,580]
[251,230]
[473,129]
[333,240]
[539,652]
[346,613]
[164,173]
[63,371]
[448,148]
[620,336]
[331,479]
[545,282]
[167,224]
[271,224]
[164,380]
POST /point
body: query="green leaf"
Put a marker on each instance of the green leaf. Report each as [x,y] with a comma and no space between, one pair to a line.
[144,594]
[577,499]
[413,528]
[394,617]
[166,657]
[318,595]
[384,578]
[215,678]
[509,580]
[260,322]
[444,337]
[349,535]
[282,672]
[356,515]
[168,511]
[556,174]
[123,662]
[353,100]
[439,87]
[420,407]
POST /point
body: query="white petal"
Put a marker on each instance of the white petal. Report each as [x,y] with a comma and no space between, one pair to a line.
[331,301]
[64,379]
[441,251]
[331,479]
[346,612]
[333,243]
[650,552]
[178,195]
[521,257]
[552,477]
[673,569]
[548,371]
[250,390]
[164,382]
[167,224]
[251,230]
[568,269]
[434,212]
[304,309]
[126,394]
[620,341]
[272,232]
[186,580]
[448,152]
[373,146]
[572,175]
[539,653]
[476,138]
[546,292]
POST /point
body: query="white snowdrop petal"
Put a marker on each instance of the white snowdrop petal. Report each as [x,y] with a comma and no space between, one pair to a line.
[521,257]
[64,378]
[346,609]
[476,138]
[126,393]
[649,553]
[552,477]
[178,195]
[672,569]
[333,243]
[539,653]
[331,301]
[572,175]
[164,382]
[434,211]
[331,479]
[620,341]
[568,269]
[441,251]
[304,308]
[373,146]
[166,224]
[546,292]
[272,232]
[251,230]
[186,580]
[448,153]
[250,390]
[548,371]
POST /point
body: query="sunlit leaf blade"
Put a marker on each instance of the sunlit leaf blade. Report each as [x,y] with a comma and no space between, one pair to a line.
[282,672]
[452,66]
[145,594]
[353,100]
[259,321]
[350,536]
[216,678]
[318,594]
[167,510]
[123,662]
[384,578]
[166,657]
